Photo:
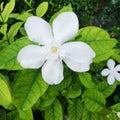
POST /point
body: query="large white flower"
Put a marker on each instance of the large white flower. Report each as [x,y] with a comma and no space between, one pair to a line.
[112,72]
[53,48]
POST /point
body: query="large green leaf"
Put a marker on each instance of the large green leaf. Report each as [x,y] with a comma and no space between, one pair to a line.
[8,56]
[20,115]
[99,40]
[13,115]
[75,110]
[5,94]
[87,115]
[86,80]
[7,10]
[42,9]
[54,112]
[29,87]
[106,89]
[25,114]
[94,101]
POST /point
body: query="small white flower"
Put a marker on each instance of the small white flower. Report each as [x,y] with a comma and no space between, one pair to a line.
[112,72]
[118,114]
[53,48]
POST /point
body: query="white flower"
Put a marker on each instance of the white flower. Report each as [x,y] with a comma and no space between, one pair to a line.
[53,48]
[112,72]
[118,114]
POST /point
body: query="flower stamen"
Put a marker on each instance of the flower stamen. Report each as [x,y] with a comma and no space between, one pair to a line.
[54,49]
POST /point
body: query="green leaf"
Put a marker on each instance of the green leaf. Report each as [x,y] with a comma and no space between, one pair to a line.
[67,8]
[75,110]
[25,114]
[86,80]
[28,2]
[7,10]
[116,107]
[14,30]
[2,114]
[106,89]
[87,115]
[94,101]
[5,94]
[22,31]
[3,29]
[99,40]
[54,112]
[14,15]
[8,56]
[113,116]
[23,17]
[45,102]
[42,9]
[104,117]
[116,55]
[74,91]
[29,87]
[13,115]
[1,6]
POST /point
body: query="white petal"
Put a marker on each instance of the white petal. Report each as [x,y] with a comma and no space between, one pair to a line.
[110,79]
[77,66]
[52,72]
[111,64]
[117,68]
[78,56]
[38,30]
[105,72]
[31,56]
[65,26]
[117,76]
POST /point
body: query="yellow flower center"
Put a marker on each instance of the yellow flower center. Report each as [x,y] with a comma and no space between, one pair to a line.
[54,49]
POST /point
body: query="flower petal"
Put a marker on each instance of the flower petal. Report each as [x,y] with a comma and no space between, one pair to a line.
[38,30]
[78,56]
[111,64]
[65,26]
[77,66]
[117,68]
[110,79]
[31,56]
[52,71]
[117,76]
[105,72]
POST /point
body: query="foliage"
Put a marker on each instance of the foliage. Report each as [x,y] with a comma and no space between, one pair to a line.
[81,96]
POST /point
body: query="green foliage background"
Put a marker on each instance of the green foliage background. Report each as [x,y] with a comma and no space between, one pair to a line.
[84,96]
[101,13]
